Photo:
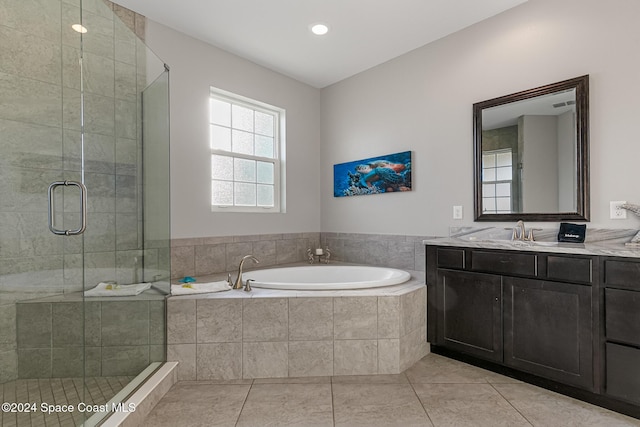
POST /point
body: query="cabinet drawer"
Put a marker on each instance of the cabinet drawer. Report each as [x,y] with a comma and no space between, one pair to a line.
[622,312]
[450,258]
[622,274]
[623,372]
[576,270]
[504,263]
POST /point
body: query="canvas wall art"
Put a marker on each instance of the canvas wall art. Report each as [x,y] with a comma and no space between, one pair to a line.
[376,175]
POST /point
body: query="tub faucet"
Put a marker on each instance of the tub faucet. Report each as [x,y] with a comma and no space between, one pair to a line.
[238,282]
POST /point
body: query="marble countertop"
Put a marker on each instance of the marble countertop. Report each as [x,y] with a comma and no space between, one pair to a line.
[603,248]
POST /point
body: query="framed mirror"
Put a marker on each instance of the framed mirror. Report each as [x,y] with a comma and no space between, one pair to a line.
[531,154]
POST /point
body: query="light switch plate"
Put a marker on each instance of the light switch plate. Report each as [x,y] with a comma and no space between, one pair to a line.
[457,212]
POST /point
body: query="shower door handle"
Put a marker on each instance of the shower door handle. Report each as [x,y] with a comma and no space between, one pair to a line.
[83,208]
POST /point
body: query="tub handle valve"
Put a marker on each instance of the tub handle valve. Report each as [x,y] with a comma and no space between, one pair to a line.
[322,255]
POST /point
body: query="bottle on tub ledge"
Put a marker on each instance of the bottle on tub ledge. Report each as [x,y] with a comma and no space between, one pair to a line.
[322,255]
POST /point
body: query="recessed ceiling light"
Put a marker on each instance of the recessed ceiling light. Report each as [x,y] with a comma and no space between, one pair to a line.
[319,29]
[79,28]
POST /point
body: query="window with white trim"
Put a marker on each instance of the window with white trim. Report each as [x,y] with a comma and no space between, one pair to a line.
[246,140]
[497,179]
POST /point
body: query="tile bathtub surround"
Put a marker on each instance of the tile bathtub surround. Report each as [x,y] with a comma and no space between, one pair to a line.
[210,255]
[226,337]
[385,250]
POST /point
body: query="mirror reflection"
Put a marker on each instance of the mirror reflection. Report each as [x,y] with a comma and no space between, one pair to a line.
[531,154]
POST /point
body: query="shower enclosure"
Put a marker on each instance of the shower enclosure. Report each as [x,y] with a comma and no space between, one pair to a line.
[84,166]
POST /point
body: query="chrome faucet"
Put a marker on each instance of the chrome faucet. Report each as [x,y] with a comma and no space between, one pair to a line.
[238,282]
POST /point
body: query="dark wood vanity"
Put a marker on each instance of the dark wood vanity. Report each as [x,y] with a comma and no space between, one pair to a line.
[568,322]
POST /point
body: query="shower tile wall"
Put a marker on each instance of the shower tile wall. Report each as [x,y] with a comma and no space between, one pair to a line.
[121,337]
[40,143]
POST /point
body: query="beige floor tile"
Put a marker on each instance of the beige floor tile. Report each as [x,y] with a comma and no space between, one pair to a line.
[199,405]
[436,369]
[371,379]
[443,391]
[287,405]
[375,405]
[545,408]
[293,380]
[467,405]
[238,381]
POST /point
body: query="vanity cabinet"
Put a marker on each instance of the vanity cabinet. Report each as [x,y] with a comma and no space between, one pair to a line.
[529,311]
[471,315]
[622,328]
[548,330]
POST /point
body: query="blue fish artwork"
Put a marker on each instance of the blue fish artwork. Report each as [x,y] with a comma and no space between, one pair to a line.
[376,175]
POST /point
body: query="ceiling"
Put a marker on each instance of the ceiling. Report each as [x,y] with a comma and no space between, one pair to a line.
[275,33]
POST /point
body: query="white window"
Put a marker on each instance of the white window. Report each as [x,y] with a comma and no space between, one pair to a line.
[247,143]
[497,179]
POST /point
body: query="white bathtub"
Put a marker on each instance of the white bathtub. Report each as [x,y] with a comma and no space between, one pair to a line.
[326,277]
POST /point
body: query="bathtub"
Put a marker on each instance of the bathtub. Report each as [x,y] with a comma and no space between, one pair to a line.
[326,277]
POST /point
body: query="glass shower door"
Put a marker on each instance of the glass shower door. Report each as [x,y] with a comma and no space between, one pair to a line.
[71,153]
[125,248]
[42,349]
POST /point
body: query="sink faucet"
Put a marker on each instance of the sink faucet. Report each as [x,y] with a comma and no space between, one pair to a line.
[519,226]
[522,236]
[238,282]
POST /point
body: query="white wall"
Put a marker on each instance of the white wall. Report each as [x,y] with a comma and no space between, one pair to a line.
[195,66]
[567,152]
[422,102]
[540,163]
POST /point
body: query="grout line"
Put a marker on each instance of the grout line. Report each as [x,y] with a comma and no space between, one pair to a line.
[420,401]
[333,340]
[244,402]
[510,404]
[333,406]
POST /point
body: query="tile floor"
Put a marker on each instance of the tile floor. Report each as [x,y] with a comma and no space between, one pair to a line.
[436,391]
[57,391]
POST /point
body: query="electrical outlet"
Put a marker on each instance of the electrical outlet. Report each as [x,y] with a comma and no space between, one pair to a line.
[457,212]
[616,212]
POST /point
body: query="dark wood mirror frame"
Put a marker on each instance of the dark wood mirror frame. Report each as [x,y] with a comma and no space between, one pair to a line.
[581,85]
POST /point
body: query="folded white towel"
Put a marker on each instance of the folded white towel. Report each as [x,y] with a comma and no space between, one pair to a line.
[199,288]
[112,290]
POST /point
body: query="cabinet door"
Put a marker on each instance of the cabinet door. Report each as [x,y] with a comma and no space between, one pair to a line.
[623,372]
[470,306]
[548,330]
